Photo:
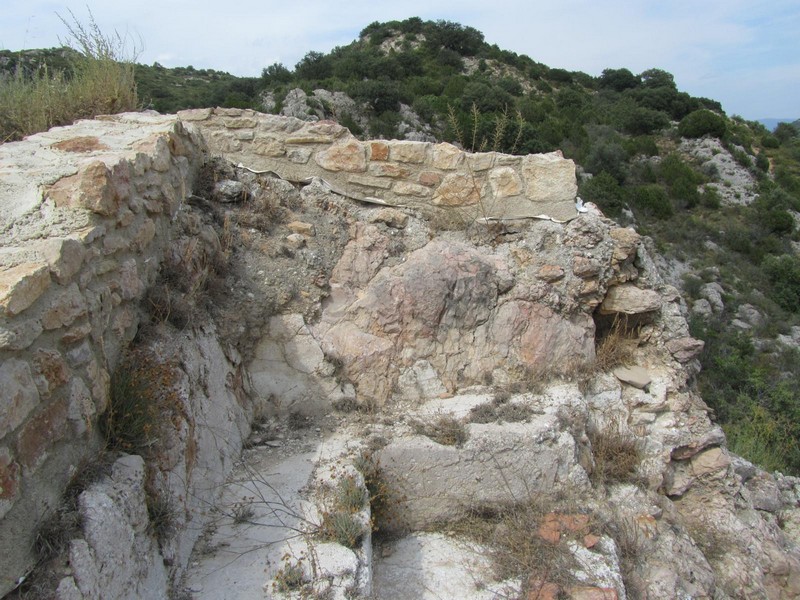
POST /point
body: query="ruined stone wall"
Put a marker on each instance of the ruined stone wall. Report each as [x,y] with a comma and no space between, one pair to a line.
[85,212]
[85,215]
[399,173]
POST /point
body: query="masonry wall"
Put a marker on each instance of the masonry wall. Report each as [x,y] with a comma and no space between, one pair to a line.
[85,212]
[399,173]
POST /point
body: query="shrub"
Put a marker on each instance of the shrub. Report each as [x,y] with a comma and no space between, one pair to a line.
[605,191]
[702,122]
[290,577]
[784,275]
[652,200]
[349,495]
[144,391]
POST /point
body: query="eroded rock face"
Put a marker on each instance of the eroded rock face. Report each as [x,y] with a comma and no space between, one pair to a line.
[448,304]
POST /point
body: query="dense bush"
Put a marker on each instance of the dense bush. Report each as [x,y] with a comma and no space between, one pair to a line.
[702,122]
[652,200]
[784,275]
[754,399]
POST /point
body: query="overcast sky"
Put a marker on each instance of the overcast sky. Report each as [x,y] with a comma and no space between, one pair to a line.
[744,53]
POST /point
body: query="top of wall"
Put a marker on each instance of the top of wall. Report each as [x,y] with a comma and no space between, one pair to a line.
[29,169]
[397,173]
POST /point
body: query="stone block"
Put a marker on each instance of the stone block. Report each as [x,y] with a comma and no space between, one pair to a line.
[391,217]
[41,433]
[22,285]
[430,178]
[378,151]
[19,335]
[480,161]
[504,182]
[404,188]
[267,146]
[299,156]
[457,189]
[329,129]
[550,273]
[20,395]
[240,123]
[549,178]
[408,152]
[64,256]
[77,333]
[389,170]
[638,377]
[685,349]
[65,308]
[585,267]
[630,300]
[446,157]
[51,369]
[92,188]
[350,157]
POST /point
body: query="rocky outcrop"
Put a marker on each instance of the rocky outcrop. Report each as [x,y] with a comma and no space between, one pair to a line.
[467,372]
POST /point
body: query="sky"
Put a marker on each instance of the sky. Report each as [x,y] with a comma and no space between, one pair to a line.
[743,53]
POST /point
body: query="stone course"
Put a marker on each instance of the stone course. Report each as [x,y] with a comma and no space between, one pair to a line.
[393,172]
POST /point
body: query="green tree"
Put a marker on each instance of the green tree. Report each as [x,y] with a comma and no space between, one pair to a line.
[314,66]
[618,80]
[453,36]
[276,73]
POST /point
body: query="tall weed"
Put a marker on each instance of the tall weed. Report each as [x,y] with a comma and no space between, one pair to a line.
[101,82]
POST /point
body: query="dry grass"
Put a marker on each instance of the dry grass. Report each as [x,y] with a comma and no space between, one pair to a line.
[521,541]
[617,455]
[445,430]
[385,503]
[102,82]
[500,410]
[615,346]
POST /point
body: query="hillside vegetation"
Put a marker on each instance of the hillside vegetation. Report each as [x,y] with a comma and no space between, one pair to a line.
[718,195]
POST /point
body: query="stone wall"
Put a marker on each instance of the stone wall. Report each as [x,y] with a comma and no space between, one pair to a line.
[85,218]
[86,212]
[398,173]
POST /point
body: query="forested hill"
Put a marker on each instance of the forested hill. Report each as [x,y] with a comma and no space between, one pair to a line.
[718,195]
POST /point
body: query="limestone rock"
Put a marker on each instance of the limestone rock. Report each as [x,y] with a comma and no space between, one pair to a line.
[630,300]
[638,377]
[22,285]
[230,191]
[349,156]
[686,348]
[549,178]
[391,217]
